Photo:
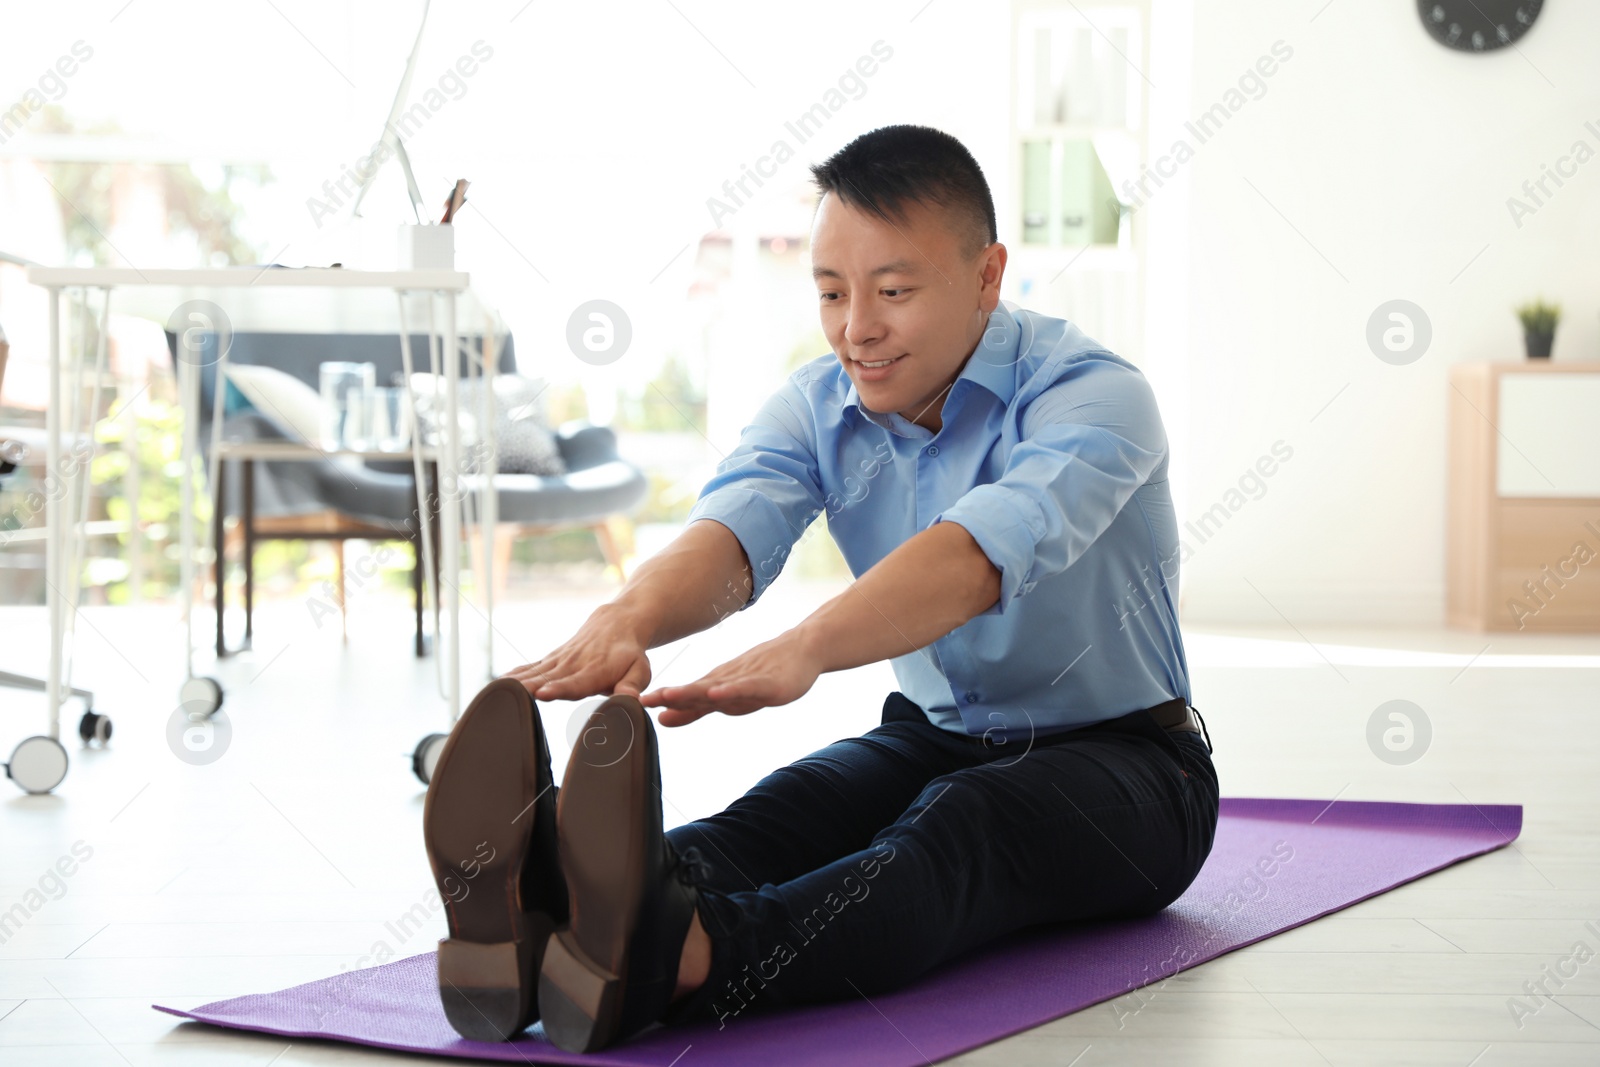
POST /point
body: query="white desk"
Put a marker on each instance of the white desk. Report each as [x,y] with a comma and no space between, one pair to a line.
[322,300]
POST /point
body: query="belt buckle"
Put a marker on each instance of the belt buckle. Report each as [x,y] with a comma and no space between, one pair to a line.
[1190,724]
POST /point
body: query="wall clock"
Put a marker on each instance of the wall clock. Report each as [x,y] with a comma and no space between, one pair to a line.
[1477,25]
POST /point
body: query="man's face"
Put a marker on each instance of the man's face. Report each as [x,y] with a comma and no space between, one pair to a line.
[901,292]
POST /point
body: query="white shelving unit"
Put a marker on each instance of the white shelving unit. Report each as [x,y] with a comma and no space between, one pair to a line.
[1080,79]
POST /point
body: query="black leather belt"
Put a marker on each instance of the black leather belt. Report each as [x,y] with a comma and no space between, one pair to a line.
[1177,715]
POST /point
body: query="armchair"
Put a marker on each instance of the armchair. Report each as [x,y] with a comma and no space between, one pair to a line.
[333,500]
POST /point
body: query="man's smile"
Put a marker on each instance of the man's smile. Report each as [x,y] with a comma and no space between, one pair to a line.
[871,371]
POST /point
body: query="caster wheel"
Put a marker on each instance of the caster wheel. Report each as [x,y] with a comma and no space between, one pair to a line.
[426,756]
[200,697]
[94,728]
[37,764]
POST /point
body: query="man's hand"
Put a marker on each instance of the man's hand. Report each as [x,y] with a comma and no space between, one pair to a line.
[771,674]
[606,656]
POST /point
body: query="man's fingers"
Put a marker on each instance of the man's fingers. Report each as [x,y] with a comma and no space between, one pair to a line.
[545,679]
[564,687]
[680,696]
[524,676]
[556,681]
[680,716]
[528,673]
[689,703]
[636,679]
[658,695]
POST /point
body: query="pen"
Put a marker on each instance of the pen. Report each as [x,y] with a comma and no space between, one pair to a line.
[458,196]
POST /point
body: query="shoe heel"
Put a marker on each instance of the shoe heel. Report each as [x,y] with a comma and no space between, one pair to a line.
[579,1002]
[487,990]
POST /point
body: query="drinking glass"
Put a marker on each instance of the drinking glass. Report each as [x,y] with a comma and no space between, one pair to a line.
[346,403]
[390,422]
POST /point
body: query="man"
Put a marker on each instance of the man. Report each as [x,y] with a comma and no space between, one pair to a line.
[998,483]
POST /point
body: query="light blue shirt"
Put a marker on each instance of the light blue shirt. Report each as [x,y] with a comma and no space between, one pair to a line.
[1053,456]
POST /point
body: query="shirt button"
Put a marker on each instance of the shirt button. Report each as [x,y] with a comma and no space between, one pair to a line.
[933,450]
[972,698]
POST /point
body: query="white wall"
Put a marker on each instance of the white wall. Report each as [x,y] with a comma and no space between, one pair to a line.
[594,143]
[1377,165]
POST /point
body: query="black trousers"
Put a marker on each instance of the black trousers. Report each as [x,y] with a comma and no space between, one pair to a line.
[861,866]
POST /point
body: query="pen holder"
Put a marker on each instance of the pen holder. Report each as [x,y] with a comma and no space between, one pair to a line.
[430,247]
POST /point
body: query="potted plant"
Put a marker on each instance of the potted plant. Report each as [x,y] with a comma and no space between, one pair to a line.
[1539,327]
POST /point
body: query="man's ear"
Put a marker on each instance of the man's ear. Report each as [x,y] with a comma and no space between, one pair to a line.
[991,270]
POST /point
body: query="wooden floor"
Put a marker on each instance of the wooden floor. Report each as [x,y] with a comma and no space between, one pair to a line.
[292,856]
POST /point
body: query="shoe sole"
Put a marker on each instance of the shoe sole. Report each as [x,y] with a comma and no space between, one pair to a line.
[604,819]
[478,827]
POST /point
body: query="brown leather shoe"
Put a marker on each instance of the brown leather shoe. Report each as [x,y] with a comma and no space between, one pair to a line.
[612,973]
[490,830]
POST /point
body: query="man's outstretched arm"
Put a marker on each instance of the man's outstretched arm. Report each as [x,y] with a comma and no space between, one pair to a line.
[933,583]
[1089,441]
[928,586]
[697,580]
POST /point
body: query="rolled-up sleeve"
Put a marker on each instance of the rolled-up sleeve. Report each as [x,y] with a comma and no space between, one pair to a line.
[768,489]
[1086,443]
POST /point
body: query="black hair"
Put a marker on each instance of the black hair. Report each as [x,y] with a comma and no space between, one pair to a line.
[890,166]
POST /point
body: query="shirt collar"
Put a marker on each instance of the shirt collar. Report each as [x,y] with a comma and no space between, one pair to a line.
[993,364]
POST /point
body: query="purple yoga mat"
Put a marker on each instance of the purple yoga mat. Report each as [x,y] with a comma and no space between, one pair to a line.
[1276,864]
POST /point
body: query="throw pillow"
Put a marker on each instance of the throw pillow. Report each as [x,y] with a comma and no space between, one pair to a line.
[283,398]
[290,404]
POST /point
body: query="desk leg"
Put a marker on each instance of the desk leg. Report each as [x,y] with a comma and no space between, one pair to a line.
[249,521]
[55,533]
[434,507]
[489,509]
[425,478]
[219,558]
[422,490]
[451,505]
[416,590]
[189,404]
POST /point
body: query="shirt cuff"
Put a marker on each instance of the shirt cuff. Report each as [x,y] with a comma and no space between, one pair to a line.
[1006,524]
[759,525]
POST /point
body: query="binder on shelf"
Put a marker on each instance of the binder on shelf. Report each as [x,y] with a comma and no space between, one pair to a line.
[1036,184]
[1088,214]
[1067,198]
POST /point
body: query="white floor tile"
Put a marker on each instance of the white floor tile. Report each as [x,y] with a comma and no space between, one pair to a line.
[297,854]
